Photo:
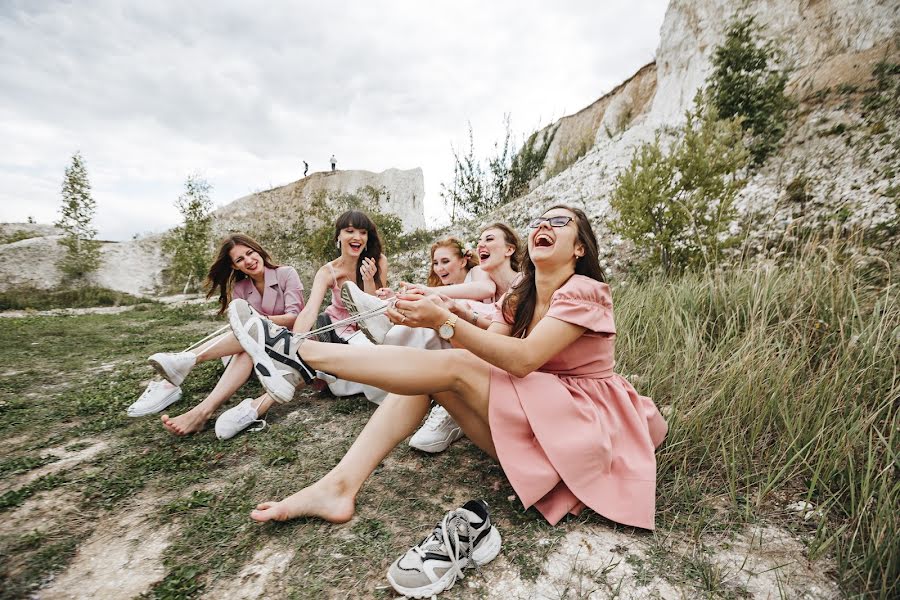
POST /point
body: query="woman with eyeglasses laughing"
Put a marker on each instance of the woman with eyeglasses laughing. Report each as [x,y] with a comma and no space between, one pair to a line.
[536,391]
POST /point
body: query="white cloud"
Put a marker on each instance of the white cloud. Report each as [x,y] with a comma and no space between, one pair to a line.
[153,91]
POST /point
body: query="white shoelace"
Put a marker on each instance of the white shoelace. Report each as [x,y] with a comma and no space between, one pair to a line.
[453,550]
[435,418]
[349,321]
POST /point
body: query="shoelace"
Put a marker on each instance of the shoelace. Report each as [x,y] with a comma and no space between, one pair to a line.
[349,321]
[262,425]
[442,535]
[435,417]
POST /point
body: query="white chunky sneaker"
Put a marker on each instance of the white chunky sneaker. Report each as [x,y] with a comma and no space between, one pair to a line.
[437,433]
[238,418]
[376,325]
[273,349]
[157,396]
[463,538]
[173,366]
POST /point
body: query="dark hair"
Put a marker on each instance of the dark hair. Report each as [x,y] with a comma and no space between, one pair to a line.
[455,244]
[222,275]
[360,220]
[518,305]
[515,261]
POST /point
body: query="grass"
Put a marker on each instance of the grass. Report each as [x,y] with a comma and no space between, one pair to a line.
[75,297]
[783,381]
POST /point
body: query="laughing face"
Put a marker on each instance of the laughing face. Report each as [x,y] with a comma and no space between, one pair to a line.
[353,240]
[552,245]
[448,265]
[492,249]
[246,260]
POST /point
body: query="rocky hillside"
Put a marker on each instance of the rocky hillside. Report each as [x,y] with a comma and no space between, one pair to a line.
[135,266]
[844,162]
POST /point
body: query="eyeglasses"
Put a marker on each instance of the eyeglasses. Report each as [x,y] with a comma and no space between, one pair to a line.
[554,221]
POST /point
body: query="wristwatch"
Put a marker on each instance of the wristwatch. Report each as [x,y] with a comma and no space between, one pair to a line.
[447,330]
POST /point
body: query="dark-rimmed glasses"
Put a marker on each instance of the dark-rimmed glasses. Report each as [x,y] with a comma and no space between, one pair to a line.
[559,221]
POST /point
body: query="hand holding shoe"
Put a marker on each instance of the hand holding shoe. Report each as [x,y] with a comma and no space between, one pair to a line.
[417,310]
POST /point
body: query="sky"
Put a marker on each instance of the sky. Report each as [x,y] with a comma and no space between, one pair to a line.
[241,93]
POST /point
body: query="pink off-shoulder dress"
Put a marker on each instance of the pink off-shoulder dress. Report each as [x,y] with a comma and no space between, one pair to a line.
[574,433]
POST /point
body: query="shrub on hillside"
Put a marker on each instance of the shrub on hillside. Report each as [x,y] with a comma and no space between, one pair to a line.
[748,82]
[82,255]
[676,204]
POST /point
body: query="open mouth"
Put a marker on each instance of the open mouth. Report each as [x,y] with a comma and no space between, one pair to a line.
[543,240]
[355,246]
[252,266]
[483,255]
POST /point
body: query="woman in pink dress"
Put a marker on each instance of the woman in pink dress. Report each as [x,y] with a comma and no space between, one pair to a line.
[536,391]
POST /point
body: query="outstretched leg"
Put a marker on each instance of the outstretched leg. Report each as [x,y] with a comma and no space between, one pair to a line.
[223,345]
[235,375]
[333,497]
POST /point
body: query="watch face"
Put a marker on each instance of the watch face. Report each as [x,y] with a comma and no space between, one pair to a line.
[446,331]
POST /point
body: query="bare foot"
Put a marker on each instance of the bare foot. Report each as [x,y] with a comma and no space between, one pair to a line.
[322,499]
[190,422]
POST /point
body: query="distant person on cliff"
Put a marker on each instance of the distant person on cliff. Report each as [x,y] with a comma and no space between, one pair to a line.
[333,163]
[305,168]
[242,269]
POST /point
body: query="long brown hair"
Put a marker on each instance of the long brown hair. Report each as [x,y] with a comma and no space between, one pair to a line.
[456,245]
[222,275]
[522,298]
[360,220]
[515,261]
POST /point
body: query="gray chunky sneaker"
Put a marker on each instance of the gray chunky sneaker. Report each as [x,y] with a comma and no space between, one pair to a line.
[464,538]
[273,349]
[173,366]
[373,323]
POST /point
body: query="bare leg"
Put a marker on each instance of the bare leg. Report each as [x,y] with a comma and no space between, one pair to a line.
[404,371]
[236,374]
[223,345]
[333,497]
[263,404]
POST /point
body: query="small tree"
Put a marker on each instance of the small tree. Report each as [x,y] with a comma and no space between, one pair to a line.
[188,246]
[678,205]
[747,82]
[76,220]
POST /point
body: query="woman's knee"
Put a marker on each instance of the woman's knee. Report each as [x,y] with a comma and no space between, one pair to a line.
[467,369]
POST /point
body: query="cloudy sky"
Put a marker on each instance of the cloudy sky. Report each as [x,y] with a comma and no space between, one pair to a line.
[241,93]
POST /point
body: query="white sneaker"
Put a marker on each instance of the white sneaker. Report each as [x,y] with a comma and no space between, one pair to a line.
[157,396]
[437,433]
[376,325]
[273,349]
[173,366]
[236,419]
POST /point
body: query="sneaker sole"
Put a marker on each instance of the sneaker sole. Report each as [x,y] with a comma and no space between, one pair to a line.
[487,552]
[172,398]
[347,299]
[173,378]
[280,389]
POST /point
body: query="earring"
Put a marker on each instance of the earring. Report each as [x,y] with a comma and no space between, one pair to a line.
[337,244]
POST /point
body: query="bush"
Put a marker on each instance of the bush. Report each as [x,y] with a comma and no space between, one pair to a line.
[747,82]
[189,246]
[79,297]
[677,205]
[82,255]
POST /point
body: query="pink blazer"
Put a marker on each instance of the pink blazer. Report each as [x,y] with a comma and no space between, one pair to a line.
[282,294]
